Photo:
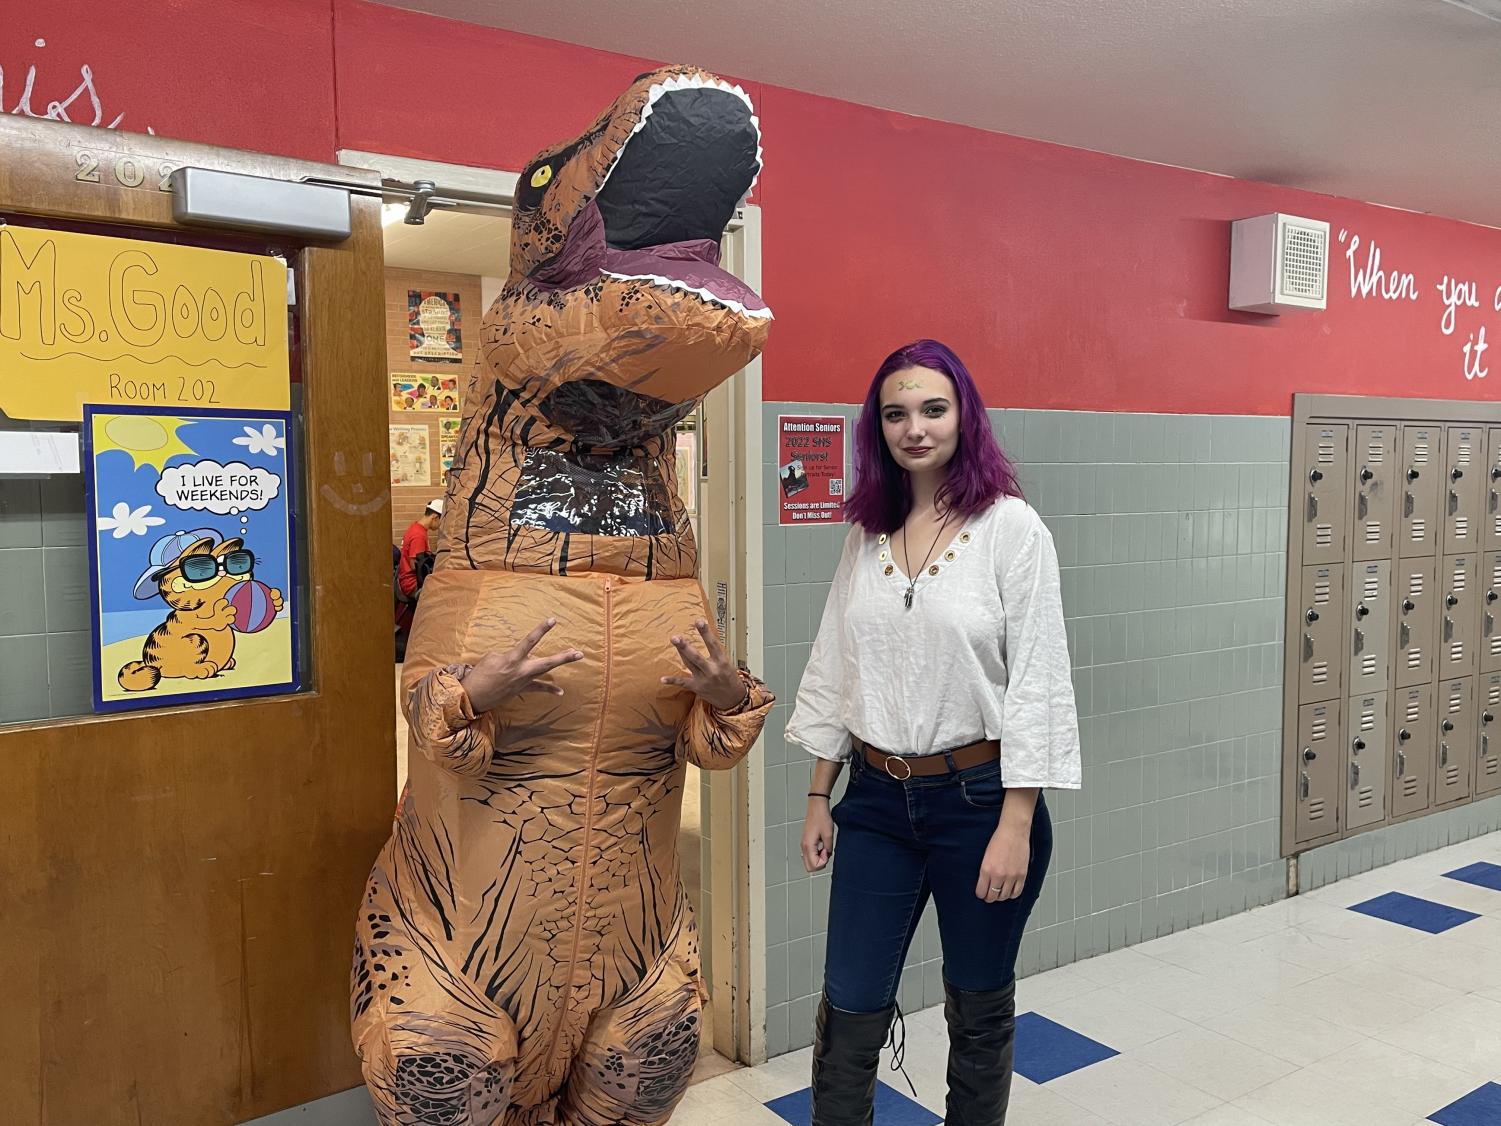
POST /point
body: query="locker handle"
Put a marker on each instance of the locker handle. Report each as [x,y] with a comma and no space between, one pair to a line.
[1313,506]
[1359,745]
[1359,641]
[1362,610]
[1303,783]
[1354,775]
[1366,474]
[1447,725]
[1312,616]
[1404,635]
[1412,474]
[1456,473]
[1404,735]
[1443,754]
[1408,504]
[1309,754]
[1315,475]
[1408,605]
[1401,764]
[1308,646]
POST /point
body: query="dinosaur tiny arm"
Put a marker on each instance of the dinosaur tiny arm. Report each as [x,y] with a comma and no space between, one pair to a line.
[714,740]
[444,726]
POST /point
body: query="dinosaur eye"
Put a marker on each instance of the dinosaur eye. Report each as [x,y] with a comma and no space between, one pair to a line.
[542,176]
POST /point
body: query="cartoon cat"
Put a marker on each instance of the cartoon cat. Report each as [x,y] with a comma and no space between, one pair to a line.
[191,572]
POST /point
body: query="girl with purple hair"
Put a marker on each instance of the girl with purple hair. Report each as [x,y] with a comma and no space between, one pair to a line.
[941,675]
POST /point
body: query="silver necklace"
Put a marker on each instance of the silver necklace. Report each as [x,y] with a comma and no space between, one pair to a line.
[907,562]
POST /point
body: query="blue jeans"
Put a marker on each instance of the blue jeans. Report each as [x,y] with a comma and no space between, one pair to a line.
[897,844]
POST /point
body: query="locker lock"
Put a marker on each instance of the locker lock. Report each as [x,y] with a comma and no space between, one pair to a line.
[1487,717]
[1315,476]
[1451,601]
[1491,596]
[1412,474]
[1309,754]
[1408,605]
[1362,610]
[1312,616]
[1404,735]
[1456,473]
[1366,474]
[1496,473]
[1358,745]
[1447,725]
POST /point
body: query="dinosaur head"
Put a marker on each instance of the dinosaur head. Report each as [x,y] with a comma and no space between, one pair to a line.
[616,315]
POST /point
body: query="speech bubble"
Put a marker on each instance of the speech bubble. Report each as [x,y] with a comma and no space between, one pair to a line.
[226,490]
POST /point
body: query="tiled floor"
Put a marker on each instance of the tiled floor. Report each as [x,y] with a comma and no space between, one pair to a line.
[1373,1002]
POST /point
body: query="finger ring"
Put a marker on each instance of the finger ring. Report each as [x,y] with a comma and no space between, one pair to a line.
[994,888]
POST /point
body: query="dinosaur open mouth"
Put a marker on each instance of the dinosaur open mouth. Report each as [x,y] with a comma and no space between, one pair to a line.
[676,182]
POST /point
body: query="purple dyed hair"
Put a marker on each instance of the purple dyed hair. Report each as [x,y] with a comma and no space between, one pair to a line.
[977,475]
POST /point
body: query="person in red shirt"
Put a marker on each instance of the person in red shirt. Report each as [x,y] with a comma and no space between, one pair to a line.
[413,544]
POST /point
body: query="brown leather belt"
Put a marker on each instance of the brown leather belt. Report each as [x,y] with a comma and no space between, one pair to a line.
[902,767]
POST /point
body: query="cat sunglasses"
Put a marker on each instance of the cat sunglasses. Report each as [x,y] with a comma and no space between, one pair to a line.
[203,568]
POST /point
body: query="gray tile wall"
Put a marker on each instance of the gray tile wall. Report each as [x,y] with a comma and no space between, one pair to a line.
[45,644]
[1171,535]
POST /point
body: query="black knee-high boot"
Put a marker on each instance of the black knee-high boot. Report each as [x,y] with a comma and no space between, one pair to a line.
[982,1046]
[846,1056]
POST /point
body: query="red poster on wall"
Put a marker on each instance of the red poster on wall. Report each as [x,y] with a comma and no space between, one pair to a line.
[810,468]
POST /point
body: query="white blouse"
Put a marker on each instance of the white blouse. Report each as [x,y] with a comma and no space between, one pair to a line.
[980,655]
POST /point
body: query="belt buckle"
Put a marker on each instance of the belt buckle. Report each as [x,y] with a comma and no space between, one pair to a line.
[907,766]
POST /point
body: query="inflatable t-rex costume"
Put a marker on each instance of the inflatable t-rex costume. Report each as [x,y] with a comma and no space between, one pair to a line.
[525,953]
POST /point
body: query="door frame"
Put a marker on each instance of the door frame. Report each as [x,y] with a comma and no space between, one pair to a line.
[737,875]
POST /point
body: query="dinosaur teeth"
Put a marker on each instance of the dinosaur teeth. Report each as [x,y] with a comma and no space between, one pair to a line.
[706,295]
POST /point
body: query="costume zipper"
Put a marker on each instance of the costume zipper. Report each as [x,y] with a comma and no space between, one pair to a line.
[578,894]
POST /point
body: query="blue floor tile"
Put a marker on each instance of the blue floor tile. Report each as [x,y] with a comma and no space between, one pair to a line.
[1410,911]
[892,1108]
[1481,1107]
[1045,1049]
[1483,874]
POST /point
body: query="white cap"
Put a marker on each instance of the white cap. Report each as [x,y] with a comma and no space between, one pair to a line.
[436,506]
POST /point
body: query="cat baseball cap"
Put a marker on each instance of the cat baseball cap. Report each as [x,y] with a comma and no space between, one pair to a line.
[167,551]
[436,506]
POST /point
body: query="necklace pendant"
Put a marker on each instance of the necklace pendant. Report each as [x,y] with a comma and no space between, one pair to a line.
[908,597]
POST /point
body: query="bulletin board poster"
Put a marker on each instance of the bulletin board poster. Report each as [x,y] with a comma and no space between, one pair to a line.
[191,554]
[410,460]
[435,327]
[811,464]
[125,322]
[413,391]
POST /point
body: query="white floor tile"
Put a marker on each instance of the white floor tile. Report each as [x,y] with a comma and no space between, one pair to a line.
[1114,1019]
[1286,1033]
[722,1103]
[1038,1106]
[1411,1083]
[1312,1098]
[1129,1093]
[1464,1035]
[775,1078]
[1213,1063]
[1345,999]
[1230,1115]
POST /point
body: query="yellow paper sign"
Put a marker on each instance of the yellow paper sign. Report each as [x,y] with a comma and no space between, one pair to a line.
[91,319]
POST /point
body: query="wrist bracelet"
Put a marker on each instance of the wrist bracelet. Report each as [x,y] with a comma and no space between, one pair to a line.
[816,794]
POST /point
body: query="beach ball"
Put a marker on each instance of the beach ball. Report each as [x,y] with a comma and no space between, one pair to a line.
[254,610]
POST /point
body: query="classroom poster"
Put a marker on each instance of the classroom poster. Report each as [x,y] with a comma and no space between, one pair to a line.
[810,469]
[192,567]
[415,392]
[448,441]
[96,319]
[410,464]
[434,327]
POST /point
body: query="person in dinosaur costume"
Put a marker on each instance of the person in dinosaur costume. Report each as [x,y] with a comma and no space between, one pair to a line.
[525,953]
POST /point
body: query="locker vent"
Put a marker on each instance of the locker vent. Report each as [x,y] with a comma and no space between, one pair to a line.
[1451,775]
[1498,527]
[1419,529]
[1315,810]
[1457,652]
[1409,786]
[1490,766]
[1365,797]
[1326,451]
[1414,711]
[1415,584]
[1321,592]
[1368,665]
[1459,579]
[1420,453]
[1456,700]
[1493,694]
[1375,451]
[1496,567]
[1320,730]
[1368,720]
[1496,645]
[1415,658]
[1461,527]
[1373,531]
[1320,673]
[1372,588]
[1323,534]
[1463,457]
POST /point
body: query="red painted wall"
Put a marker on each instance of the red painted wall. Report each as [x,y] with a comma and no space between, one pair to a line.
[1067,279]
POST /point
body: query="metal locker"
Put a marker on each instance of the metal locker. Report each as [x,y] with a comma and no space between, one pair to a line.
[1326,492]
[1417,600]
[1464,488]
[1375,491]
[1319,746]
[1490,612]
[1418,523]
[1412,750]
[1456,741]
[1321,652]
[1365,804]
[1488,756]
[1370,626]
[1490,535]
[1459,617]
